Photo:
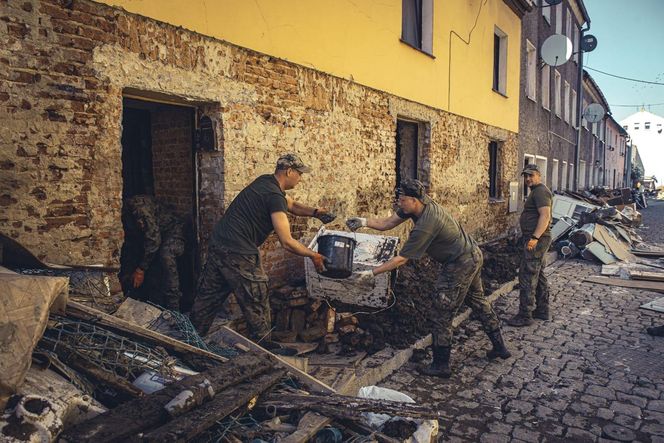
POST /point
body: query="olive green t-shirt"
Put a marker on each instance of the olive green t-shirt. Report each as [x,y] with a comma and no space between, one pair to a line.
[437,234]
[247,222]
[539,197]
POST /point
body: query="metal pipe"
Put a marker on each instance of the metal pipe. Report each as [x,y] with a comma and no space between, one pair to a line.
[579,107]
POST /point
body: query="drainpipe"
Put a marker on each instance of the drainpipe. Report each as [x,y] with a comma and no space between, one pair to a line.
[579,108]
[604,147]
[628,163]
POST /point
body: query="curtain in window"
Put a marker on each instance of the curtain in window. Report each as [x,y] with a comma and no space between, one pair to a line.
[411,22]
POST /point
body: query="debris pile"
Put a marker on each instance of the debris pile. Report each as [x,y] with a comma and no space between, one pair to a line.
[596,226]
[117,378]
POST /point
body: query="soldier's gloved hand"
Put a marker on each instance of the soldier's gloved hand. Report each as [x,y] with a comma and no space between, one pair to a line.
[319,262]
[355,223]
[364,278]
[324,215]
[137,277]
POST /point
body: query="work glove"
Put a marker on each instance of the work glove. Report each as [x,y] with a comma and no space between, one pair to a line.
[137,277]
[324,215]
[364,278]
[319,262]
[355,223]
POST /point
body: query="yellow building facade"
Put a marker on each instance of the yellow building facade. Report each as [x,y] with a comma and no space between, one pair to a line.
[361,41]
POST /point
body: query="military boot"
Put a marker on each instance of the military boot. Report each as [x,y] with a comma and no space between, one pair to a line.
[542,313]
[440,366]
[499,349]
[521,319]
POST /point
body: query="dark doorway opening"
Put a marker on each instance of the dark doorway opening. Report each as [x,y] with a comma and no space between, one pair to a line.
[407,150]
[158,161]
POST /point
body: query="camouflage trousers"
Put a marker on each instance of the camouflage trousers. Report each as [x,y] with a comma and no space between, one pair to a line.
[171,248]
[534,287]
[461,282]
[227,272]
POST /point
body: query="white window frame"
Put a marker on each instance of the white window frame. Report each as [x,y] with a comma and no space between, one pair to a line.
[527,160]
[566,102]
[565,180]
[546,11]
[574,109]
[559,18]
[426,45]
[531,71]
[554,174]
[556,90]
[575,44]
[546,87]
[582,174]
[568,24]
[502,62]
[542,163]
[570,177]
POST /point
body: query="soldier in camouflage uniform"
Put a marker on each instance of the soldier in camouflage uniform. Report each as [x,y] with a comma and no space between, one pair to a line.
[163,242]
[233,261]
[436,233]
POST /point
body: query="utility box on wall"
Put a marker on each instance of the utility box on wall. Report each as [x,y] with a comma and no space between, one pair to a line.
[371,251]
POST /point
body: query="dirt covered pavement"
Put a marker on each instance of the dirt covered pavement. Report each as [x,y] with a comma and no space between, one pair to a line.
[591,374]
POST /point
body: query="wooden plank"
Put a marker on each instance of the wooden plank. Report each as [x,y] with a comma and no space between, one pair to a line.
[186,427]
[646,253]
[634,284]
[336,360]
[649,276]
[146,412]
[348,406]
[229,337]
[309,424]
[84,312]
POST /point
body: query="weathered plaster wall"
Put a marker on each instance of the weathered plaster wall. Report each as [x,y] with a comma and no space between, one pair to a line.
[64,71]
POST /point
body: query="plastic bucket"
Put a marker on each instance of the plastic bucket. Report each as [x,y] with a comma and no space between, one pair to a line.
[339,252]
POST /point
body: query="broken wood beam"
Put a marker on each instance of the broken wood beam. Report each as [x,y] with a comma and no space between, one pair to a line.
[347,406]
[194,423]
[634,284]
[84,312]
[231,338]
[148,411]
[308,426]
[648,276]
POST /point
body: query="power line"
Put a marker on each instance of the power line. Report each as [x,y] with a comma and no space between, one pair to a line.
[625,78]
[636,105]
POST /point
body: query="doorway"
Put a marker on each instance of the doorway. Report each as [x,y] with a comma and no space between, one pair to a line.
[158,160]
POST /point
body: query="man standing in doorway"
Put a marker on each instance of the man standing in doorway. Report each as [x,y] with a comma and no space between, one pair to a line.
[436,233]
[161,232]
[233,262]
[535,224]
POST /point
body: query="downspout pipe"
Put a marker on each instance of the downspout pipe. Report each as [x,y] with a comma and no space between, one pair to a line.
[579,108]
[606,142]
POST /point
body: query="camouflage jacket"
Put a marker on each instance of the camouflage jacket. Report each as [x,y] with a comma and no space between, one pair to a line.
[154,221]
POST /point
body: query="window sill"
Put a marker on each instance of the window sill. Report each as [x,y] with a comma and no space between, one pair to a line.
[533,99]
[417,49]
[499,93]
[496,201]
[546,109]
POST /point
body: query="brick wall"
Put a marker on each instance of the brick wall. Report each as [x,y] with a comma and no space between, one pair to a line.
[64,70]
[172,156]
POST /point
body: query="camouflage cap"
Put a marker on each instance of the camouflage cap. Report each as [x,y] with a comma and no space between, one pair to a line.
[410,187]
[530,169]
[292,161]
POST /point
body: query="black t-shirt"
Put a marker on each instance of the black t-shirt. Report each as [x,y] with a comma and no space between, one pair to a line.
[539,197]
[437,234]
[247,221]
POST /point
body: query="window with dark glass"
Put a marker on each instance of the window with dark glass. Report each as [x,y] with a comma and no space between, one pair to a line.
[494,179]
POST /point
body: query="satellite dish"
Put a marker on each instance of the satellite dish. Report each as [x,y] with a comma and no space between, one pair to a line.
[556,50]
[593,113]
[588,43]
[553,2]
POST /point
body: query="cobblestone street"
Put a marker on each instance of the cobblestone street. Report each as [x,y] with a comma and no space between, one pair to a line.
[589,374]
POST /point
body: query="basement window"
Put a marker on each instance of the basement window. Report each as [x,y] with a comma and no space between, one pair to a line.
[412,148]
[494,170]
[417,24]
[500,61]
